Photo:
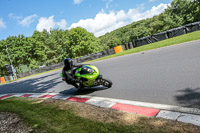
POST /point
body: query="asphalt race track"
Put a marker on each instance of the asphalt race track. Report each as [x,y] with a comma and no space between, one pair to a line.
[169,75]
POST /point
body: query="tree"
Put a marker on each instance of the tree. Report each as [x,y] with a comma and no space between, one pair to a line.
[82,42]
[38,46]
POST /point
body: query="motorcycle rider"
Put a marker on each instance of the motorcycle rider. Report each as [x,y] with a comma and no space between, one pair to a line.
[68,73]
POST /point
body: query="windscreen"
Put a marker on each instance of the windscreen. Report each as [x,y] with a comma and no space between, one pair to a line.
[86,70]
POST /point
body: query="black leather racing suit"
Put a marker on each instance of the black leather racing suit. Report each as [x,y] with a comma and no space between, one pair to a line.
[68,76]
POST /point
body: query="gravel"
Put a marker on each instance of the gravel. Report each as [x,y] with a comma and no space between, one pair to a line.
[11,123]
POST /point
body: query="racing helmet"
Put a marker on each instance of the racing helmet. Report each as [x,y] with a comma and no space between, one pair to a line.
[68,62]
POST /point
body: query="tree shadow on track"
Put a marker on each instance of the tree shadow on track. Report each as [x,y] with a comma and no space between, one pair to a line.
[82,91]
[33,85]
[189,97]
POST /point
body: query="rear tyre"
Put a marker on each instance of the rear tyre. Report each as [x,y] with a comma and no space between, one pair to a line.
[107,83]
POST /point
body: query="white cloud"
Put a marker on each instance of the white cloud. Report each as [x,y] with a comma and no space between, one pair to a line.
[2,24]
[49,23]
[107,3]
[136,15]
[12,16]
[77,1]
[27,20]
[107,22]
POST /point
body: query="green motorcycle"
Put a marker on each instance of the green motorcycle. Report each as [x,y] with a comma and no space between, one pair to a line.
[90,77]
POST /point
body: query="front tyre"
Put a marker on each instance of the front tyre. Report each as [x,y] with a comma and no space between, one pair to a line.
[106,83]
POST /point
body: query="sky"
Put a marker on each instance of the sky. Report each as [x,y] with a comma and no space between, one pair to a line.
[96,16]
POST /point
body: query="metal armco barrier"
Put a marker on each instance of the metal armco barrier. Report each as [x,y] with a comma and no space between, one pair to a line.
[143,41]
[111,51]
[192,27]
[39,70]
[159,37]
[6,78]
[168,34]
[104,53]
[130,45]
[176,32]
[126,46]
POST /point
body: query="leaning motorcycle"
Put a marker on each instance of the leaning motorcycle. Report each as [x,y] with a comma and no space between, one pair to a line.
[90,77]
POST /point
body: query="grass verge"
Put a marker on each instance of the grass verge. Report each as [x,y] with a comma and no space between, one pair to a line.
[168,42]
[72,117]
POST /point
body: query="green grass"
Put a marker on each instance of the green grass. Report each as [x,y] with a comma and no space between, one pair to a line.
[168,42]
[53,117]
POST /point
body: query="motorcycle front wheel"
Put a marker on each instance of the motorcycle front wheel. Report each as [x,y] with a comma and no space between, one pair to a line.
[106,83]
